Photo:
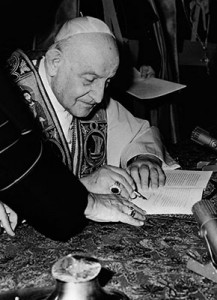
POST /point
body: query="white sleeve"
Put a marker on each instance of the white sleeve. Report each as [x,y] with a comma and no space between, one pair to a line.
[129,136]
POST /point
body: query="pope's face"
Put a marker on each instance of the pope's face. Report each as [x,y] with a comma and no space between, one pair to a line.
[85,72]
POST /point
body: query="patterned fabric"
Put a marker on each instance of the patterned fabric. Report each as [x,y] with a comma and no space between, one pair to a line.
[146,263]
[92,136]
[88,136]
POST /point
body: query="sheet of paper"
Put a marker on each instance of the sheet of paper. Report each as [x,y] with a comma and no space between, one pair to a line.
[186,178]
[183,188]
[152,87]
[169,201]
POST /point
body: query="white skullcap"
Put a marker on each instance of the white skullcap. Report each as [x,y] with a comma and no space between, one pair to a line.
[82,25]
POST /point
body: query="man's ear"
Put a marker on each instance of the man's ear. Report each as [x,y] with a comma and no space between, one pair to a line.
[53,61]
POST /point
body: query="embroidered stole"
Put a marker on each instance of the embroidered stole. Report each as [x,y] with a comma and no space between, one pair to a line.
[89,136]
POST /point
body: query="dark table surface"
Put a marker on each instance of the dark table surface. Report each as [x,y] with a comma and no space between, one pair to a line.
[149,262]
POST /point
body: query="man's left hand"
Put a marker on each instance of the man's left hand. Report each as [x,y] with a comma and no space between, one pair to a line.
[147,172]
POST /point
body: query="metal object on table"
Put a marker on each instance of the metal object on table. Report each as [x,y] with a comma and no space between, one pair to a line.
[205,270]
[76,279]
[203,137]
[205,214]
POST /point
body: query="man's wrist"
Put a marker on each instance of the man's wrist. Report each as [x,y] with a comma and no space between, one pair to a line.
[90,205]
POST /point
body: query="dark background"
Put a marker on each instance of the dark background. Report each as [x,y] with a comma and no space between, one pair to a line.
[21,21]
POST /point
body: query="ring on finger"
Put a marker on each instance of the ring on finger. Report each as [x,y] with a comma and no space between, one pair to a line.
[132,212]
[115,188]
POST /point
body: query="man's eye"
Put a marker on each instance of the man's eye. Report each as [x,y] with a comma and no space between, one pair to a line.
[88,80]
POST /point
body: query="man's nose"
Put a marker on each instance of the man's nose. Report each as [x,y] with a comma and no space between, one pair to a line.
[97,92]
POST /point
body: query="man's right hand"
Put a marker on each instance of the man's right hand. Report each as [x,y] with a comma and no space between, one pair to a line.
[8,219]
[146,71]
[100,181]
[113,208]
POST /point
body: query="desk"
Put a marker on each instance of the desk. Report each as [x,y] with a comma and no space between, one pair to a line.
[145,263]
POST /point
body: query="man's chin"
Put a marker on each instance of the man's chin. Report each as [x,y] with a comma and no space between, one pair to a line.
[83,114]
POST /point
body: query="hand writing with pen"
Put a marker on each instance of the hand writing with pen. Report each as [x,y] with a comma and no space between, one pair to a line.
[114,188]
[143,172]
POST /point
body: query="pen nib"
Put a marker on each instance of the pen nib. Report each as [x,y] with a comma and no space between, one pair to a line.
[140,195]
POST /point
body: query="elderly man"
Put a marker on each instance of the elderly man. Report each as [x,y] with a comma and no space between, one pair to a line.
[95,136]
[39,188]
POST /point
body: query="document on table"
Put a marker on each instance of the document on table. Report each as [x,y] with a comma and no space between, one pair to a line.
[151,87]
[183,188]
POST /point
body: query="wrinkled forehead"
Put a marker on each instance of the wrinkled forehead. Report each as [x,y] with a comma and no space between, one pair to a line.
[81,25]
